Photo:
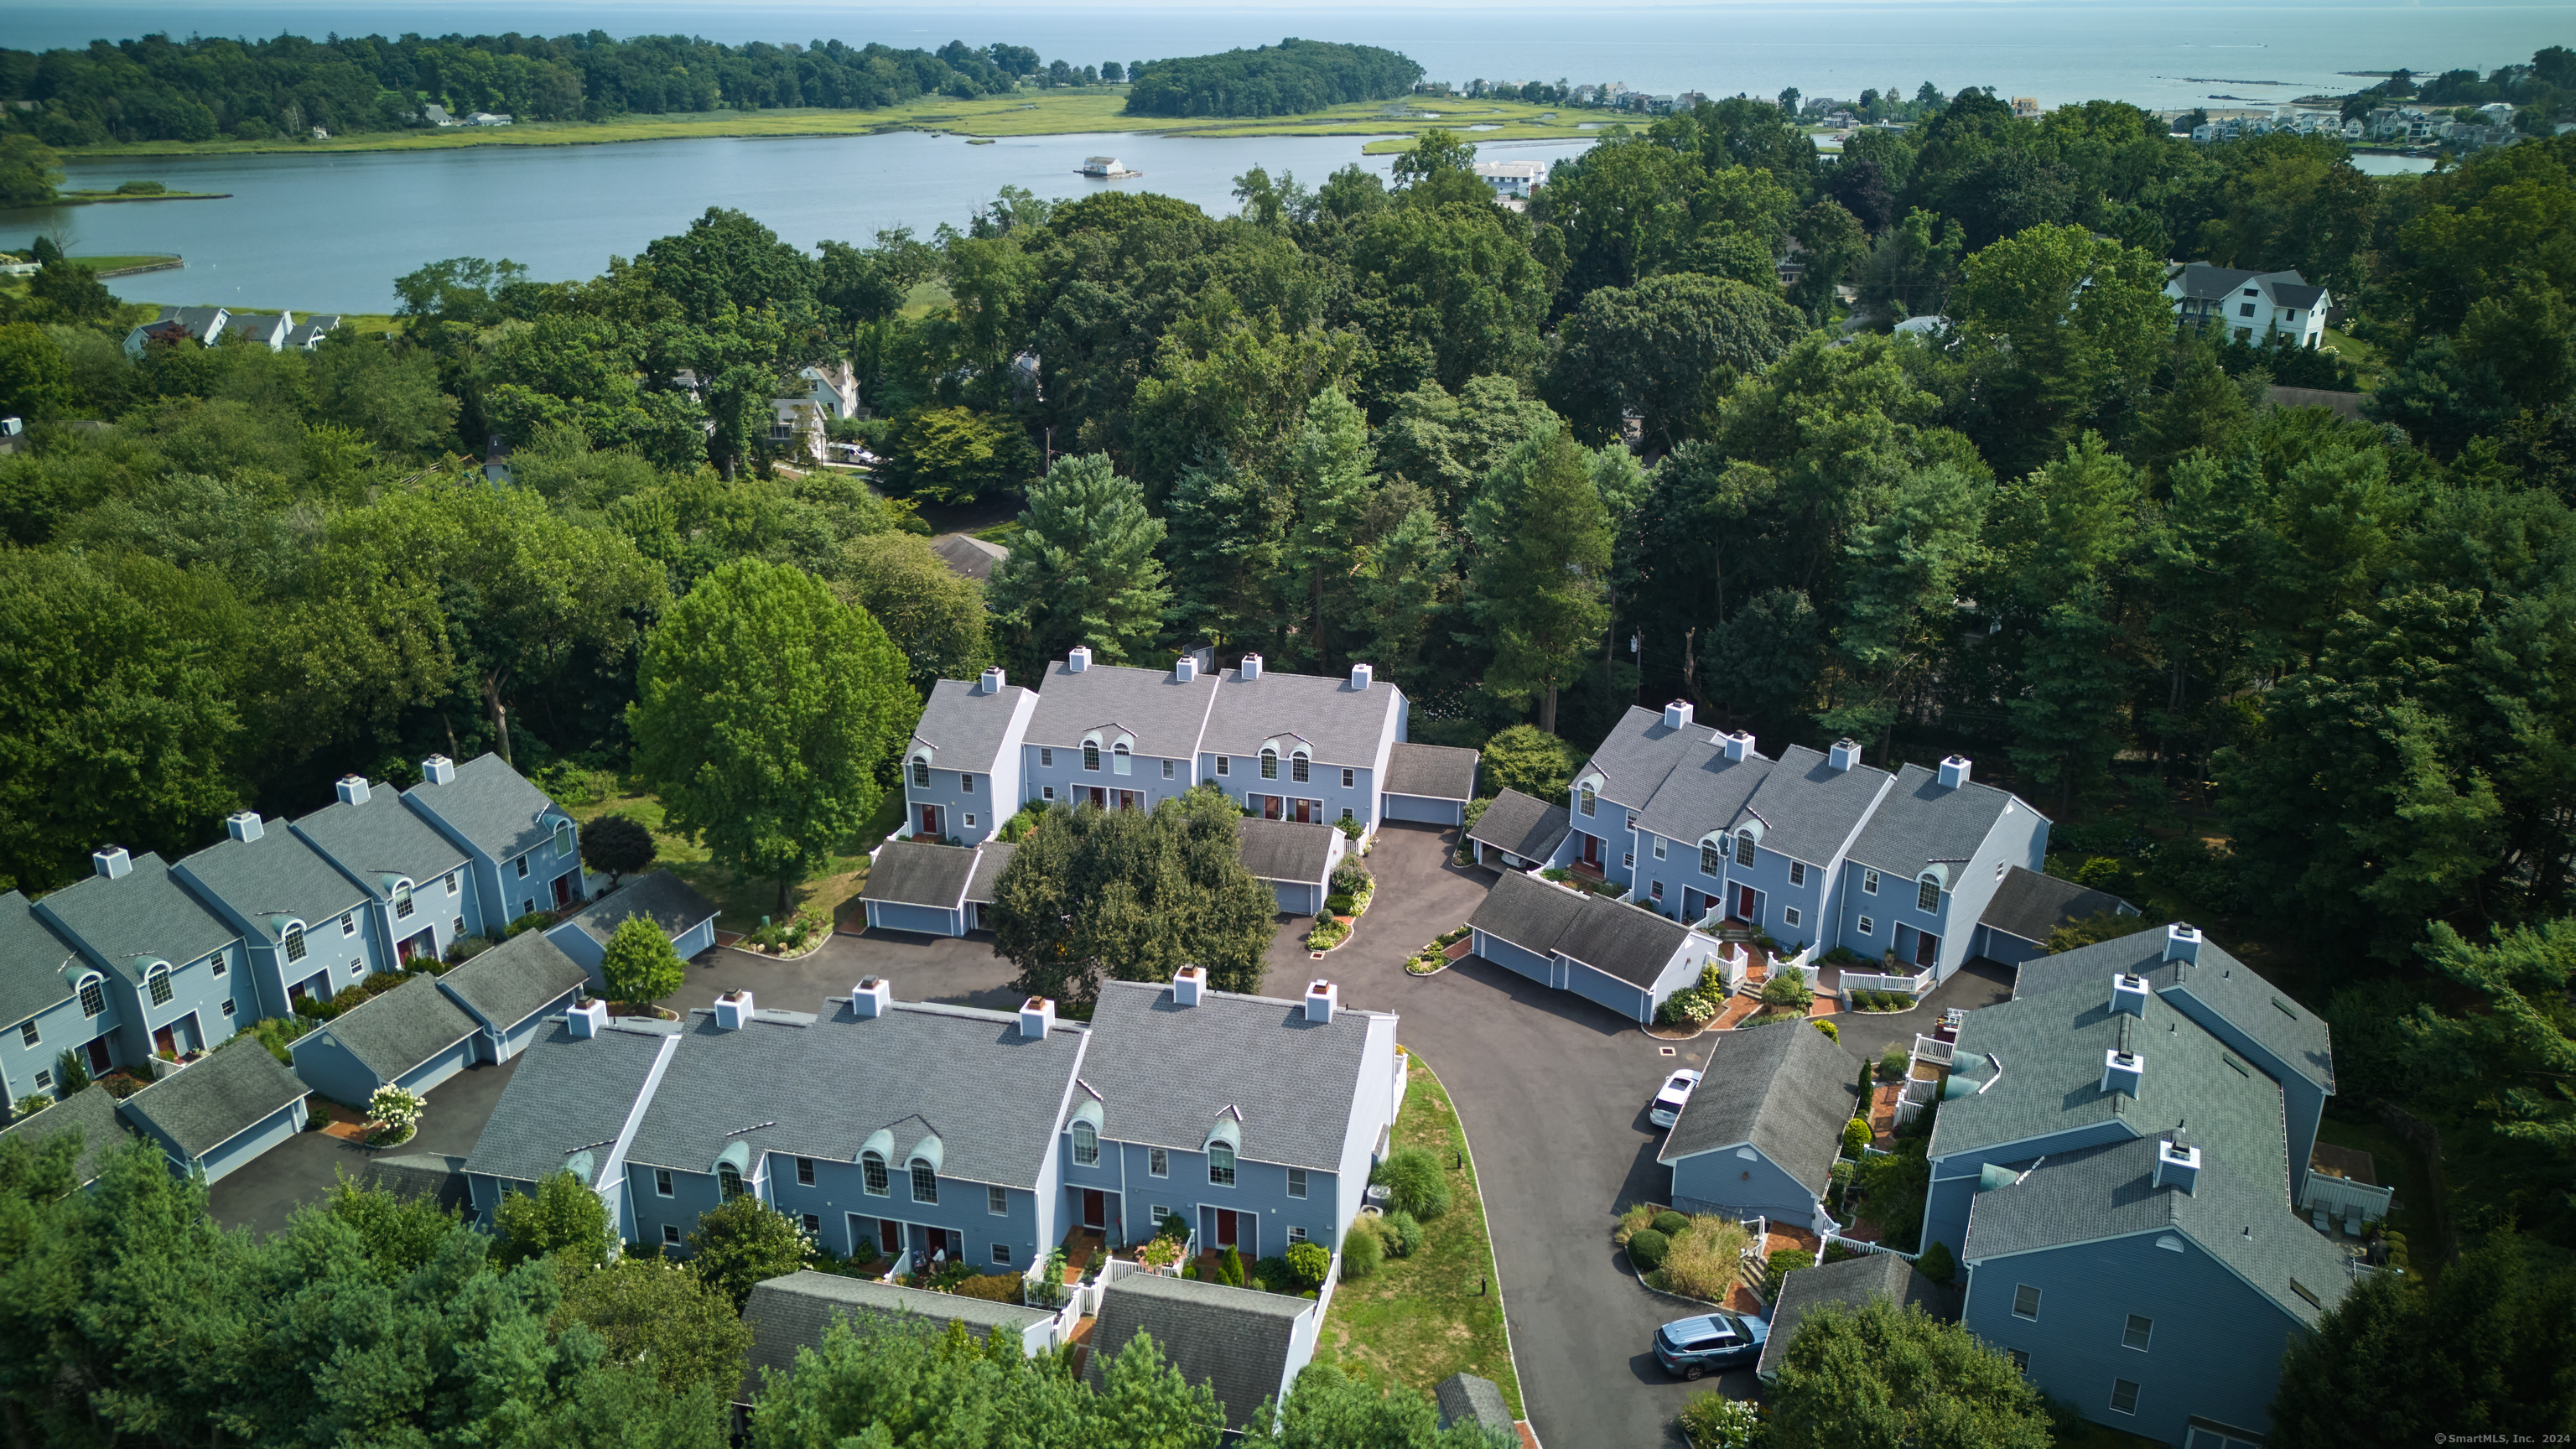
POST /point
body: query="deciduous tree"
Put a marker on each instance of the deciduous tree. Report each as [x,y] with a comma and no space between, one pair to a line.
[1884,1377]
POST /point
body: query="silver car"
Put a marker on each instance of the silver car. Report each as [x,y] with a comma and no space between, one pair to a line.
[1668,1102]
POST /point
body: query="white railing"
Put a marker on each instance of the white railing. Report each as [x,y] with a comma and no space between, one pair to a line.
[1858,981]
[2345,1200]
[1933,1049]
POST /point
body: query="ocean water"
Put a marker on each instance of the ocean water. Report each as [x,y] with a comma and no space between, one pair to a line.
[2157,56]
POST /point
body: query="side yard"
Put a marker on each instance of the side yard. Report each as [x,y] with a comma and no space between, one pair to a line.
[743,903]
[1419,1319]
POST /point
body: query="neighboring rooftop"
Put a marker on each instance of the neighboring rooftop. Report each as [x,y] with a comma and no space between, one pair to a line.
[2218,981]
[90,1112]
[382,840]
[661,897]
[37,967]
[489,804]
[1285,850]
[1851,1283]
[1632,944]
[229,1091]
[397,1031]
[1340,723]
[1467,1399]
[1522,825]
[1164,713]
[991,859]
[567,1096]
[1234,1340]
[1703,791]
[512,981]
[2031,906]
[1783,1088]
[786,1314]
[1922,822]
[438,1176]
[918,873]
[1431,772]
[1809,809]
[1639,752]
[968,556]
[140,917]
[274,880]
[967,728]
[1164,1073]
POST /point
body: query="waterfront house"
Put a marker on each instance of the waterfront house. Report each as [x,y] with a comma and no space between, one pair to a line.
[962,767]
[53,999]
[173,965]
[298,914]
[178,324]
[524,847]
[223,1111]
[2251,305]
[422,894]
[2115,1164]
[1760,1133]
[309,333]
[686,918]
[267,329]
[1512,178]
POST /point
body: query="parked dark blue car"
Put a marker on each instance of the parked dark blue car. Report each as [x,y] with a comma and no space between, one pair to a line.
[1713,1343]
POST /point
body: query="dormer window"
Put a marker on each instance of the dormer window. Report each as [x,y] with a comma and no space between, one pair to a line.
[563,840]
[920,774]
[1120,762]
[1927,893]
[1588,800]
[1269,764]
[1744,848]
[1297,768]
[925,1183]
[1091,755]
[93,1000]
[872,1174]
[1220,1165]
[159,982]
[1086,1145]
[402,894]
[728,1181]
[295,943]
[1711,861]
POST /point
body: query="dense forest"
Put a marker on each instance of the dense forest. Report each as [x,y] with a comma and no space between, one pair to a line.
[2299,673]
[202,88]
[1275,80]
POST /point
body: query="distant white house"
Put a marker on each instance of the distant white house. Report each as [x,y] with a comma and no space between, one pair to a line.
[1107,168]
[2251,305]
[1512,178]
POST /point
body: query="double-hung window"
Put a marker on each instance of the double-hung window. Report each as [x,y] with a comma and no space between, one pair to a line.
[1797,872]
[997,1200]
[2025,1302]
[2139,1329]
[1121,761]
[925,1183]
[1790,917]
[1171,769]
[349,922]
[1869,882]
[1710,860]
[1296,1182]
[1158,1163]
[1220,1165]
[2124,1397]
[1350,779]
[1300,769]
[522,863]
[27,1032]
[1224,765]
[1588,799]
[662,1182]
[1927,894]
[1047,758]
[295,943]
[1744,848]
[402,895]
[1659,847]
[804,1172]
[1868,927]
[1091,756]
[1086,1145]
[872,1174]
[965,784]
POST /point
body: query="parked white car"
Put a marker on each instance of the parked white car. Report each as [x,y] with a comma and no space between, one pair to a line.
[1668,1102]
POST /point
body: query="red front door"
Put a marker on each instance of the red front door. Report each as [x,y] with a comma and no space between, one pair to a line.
[1270,807]
[1592,851]
[1095,1210]
[890,1237]
[1099,797]
[1748,905]
[1224,1228]
[98,1060]
[564,889]
[162,1041]
[930,820]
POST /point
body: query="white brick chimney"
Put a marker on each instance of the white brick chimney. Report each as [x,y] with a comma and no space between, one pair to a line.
[243,825]
[438,770]
[587,1019]
[1323,998]
[872,997]
[1677,715]
[1037,1018]
[112,862]
[1077,659]
[1845,754]
[353,789]
[1954,772]
[733,1010]
[1188,985]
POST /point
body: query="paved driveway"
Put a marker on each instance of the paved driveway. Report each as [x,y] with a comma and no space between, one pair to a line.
[302,1169]
[961,970]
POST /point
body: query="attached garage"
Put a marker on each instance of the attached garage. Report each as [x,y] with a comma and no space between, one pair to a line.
[916,886]
[990,859]
[234,1104]
[413,1036]
[1760,1132]
[511,989]
[1518,832]
[1619,956]
[688,918]
[1296,861]
[1428,784]
[2027,909]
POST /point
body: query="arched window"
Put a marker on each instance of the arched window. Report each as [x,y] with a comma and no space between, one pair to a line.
[1298,767]
[1744,848]
[1269,764]
[1086,1145]
[295,943]
[159,981]
[1120,762]
[728,1181]
[1091,754]
[563,840]
[93,999]
[1927,892]
[1589,799]
[1711,860]
[925,1182]
[872,1173]
[1220,1164]
[920,774]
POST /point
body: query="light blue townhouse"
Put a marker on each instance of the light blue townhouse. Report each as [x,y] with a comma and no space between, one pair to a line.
[55,999]
[301,919]
[176,969]
[1303,747]
[1732,835]
[422,895]
[524,848]
[1609,793]
[1115,737]
[961,771]
[213,1117]
[1254,1119]
[573,1105]
[1936,849]
[2114,1163]
[430,1028]
[1759,1134]
[513,990]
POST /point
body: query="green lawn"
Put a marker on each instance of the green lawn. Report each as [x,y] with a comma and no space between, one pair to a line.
[1423,1318]
[2364,358]
[741,903]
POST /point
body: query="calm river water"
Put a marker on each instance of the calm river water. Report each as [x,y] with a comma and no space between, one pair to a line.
[330,233]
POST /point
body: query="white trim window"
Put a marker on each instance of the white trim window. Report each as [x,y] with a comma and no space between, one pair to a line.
[1220,1165]
[1350,779]
[1269,764]
[1091,756]
[349,920]
[1046,792]
[920,773]
[1869,882]
[2124,1396]
[1171,769]
[564,848]
[1659,847]
[1122,761]
[1296,1182]
[93,998]
[997,1200]
[872,1175]
[158,979]
[1712,860]
[804,1172]
[1300,768]
[1158,1163]
[1868,927]
[670,1235]
[1224,766]
[1086,1145]
[295,943]
[2137,1332]
[1744,848]
[965,784]
[925,1183]
[1046,758]
[2025,1302]
[662,1182]
[1927,894]
[522,863]
[1001,1255]
[1797,872]
[1590,801]
[1296,1232]
[1790,917]
[27,1033]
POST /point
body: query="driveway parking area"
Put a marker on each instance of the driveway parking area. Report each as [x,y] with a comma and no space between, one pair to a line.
[960,970]
[301,1170]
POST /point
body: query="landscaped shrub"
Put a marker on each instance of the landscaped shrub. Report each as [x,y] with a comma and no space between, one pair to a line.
[31,1104]
[1349,827]
[533,920]
[1309,1261]
[1707,1260]
[1415,1182]
[1362,1250]
[466,948]
[1855,1137]
[1327,934]
[349,999]
[1646,1249]
[1337,904]
[1785,1261]
[1403,1233]
[1669,1222]
[1787,987]
[1831,1031]
[1229,1267]
[991,1287]
[1350,877]
[381,982]
[1715,1421]
[1633,1221]
[1936,1263]
[1891,1064]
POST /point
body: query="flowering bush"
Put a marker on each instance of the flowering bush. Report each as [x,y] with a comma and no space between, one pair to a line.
[1715,1421]
[395,1106]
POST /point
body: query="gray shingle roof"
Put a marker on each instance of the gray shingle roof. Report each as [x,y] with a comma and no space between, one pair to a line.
[1783,1088]
[2202,282]
[1853,1282]
[966,728]
[2109,1191]
[827,1084]
[968,556]
[91,1112]
[1918,822]
[141,916]
[660,897]
[1165,715]
[397,1031]
[380,840]
[1808,809]
[2298,295]
[1639,752]
[438,1176]
[2218,981]
[1344,726]
[786,1314]
[1431,772]
[274,878]
[1467,1399]
[2030,905]
[1522,825]
[1286,850]
[1164,1072]
[566,1095]
[991,859]
[1704,791]
[489,804]
[1632,944]
[515,979]
[37,967]
[1234,1340]
[229,1091]
[917,873]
